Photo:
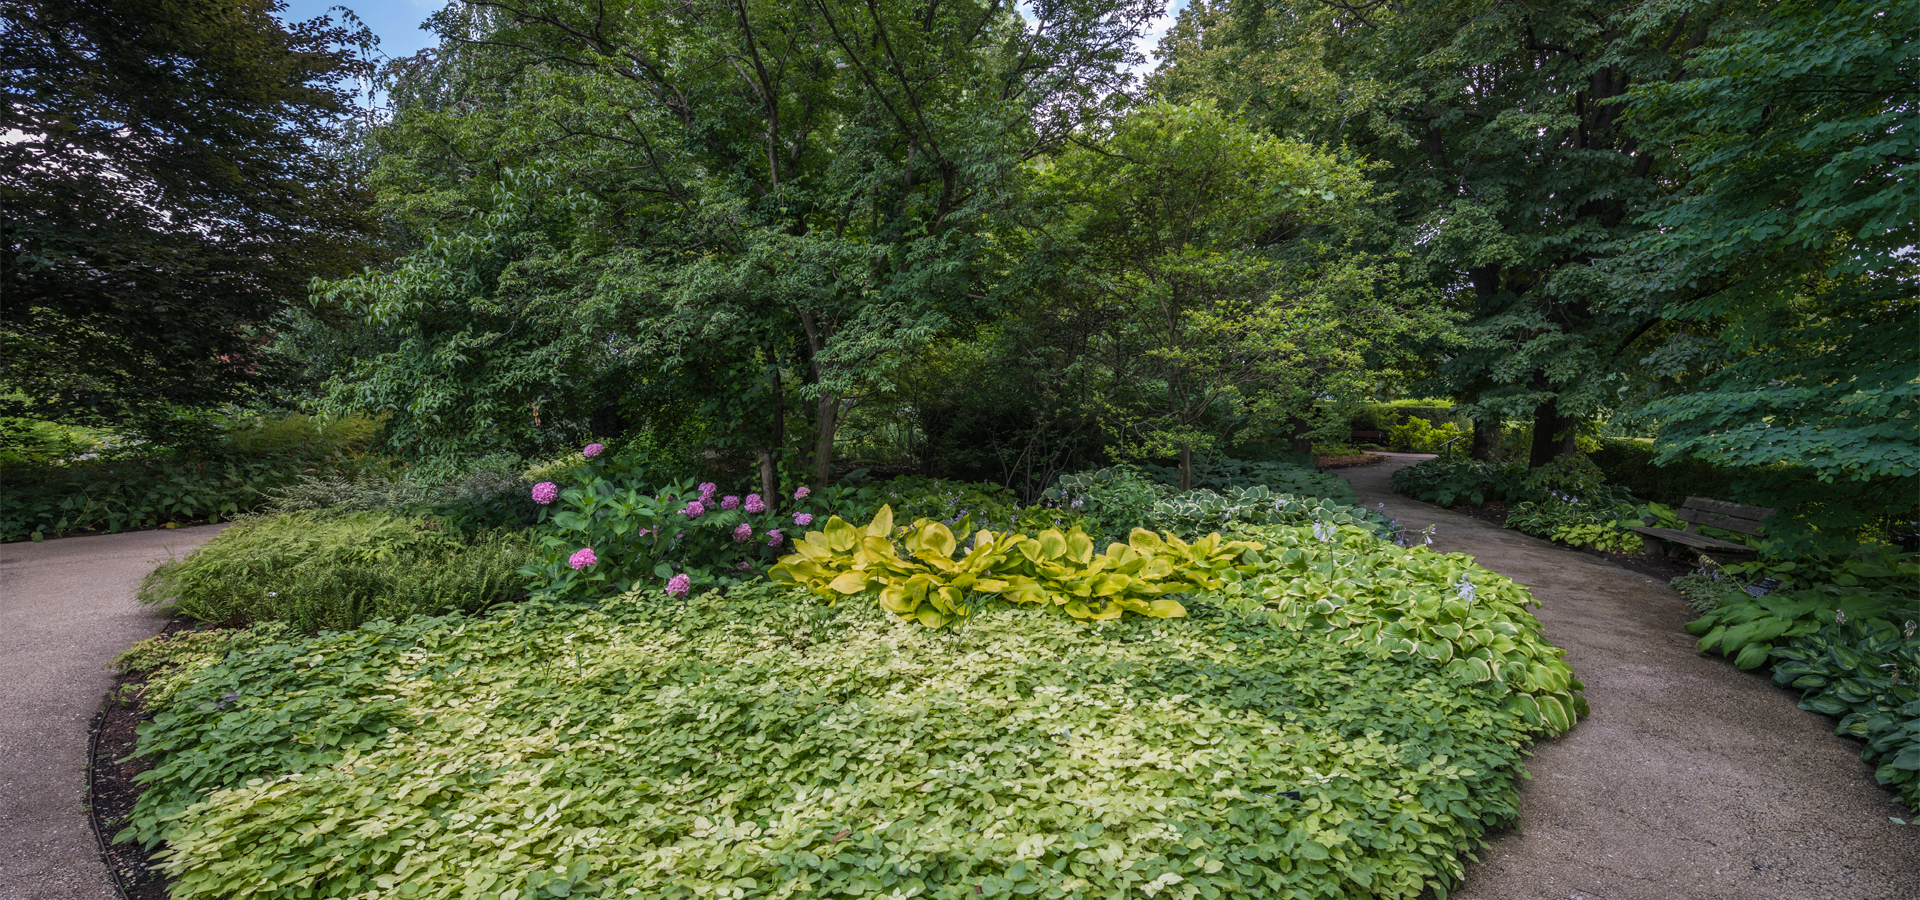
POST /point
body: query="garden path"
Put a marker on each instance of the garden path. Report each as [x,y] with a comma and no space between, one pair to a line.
[1691,779]
[68,610]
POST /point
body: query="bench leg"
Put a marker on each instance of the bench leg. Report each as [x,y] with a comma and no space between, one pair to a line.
[1650,547]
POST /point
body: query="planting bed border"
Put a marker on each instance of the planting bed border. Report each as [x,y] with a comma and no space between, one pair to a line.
[130,867]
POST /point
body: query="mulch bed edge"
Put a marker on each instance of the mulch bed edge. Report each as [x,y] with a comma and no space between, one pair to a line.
[112,792]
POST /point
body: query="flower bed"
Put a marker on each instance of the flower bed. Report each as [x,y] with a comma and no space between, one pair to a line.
[1270,743]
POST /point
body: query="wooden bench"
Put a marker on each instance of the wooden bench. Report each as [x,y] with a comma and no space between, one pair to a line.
[1700,511]
[1366,437]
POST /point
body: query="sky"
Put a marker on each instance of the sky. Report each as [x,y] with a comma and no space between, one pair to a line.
[397,22]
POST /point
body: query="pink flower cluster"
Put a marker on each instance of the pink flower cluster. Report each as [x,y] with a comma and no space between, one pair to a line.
[707,489]
[802,493]
[755,504]
[592,450]
[730,502]
[775,538]
[679,585]
[545,492]
[803,519]
[742,533]
[694,509]
[582,558]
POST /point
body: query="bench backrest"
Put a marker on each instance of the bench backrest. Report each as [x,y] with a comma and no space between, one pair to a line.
[1700,511]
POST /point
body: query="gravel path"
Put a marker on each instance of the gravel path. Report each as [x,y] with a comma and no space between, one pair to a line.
[68,610]
[1691,779]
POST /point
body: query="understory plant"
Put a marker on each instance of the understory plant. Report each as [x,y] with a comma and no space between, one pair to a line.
[1579,522]
[761,744]
[315,570]
[936,581]
[1446,482]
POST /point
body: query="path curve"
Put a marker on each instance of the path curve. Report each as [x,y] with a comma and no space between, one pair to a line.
[67,607]
[1691,779]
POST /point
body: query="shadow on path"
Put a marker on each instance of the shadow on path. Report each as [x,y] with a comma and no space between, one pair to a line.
[68,610]
[1691,779]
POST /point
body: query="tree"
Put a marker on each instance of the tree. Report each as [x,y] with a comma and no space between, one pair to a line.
[1795,241]
[1218,264]
[168,189]
[1517,184]
[704,195]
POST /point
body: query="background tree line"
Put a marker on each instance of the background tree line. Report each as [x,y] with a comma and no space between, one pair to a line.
[723,224]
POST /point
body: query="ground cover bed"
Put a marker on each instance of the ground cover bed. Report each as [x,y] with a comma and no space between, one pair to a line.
[1339,717]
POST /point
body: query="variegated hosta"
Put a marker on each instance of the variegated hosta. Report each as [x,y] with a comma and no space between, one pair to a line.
[934,582]
[1414,602]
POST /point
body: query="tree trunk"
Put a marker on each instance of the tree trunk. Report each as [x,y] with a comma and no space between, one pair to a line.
[770,458]
[826,421]
[1298,439]
[1186,467]
[1547,441]
[1488,437]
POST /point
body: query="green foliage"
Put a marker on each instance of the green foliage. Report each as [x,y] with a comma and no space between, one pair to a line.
[1868,674]
[1415,435]
[173,177]
[1849,646]
[29,441]
[1579,522]
[135,485]
[315,571]
[1414,604]
[675,750]
[1382,415]
[1197,512]
[1223,473]
[1632,465]
[1706,590]
[170,661]
[1447,481]
[1793,241]
[939,582]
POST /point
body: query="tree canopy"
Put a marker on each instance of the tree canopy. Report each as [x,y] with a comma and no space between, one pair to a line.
[170,182]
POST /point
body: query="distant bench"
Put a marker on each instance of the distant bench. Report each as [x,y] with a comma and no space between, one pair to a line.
[1700,511]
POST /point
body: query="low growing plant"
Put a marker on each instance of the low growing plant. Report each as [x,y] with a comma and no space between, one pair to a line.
[937,582]
[760,744]
[1445,482]
[318,571]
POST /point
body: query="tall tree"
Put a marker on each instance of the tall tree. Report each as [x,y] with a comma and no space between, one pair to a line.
[1516,182]
[167,189]
[703,188]
[1795,241]
[1220,265]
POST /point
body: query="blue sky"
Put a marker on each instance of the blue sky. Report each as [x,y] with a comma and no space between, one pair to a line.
[397,22]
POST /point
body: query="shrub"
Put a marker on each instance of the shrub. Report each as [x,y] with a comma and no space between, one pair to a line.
[760,743]
[316,571]
[1449,481]
[1279,477]
[1197,512]
[1416,435]
[1706,590]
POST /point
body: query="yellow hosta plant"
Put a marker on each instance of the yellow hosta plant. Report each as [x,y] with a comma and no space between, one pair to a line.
[925,575]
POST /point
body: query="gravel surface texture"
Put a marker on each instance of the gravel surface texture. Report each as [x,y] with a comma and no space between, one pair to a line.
[68,610]
[1691,779]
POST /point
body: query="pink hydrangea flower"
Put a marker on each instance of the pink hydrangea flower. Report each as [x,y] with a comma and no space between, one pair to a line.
[775,538]
[707,488]
[803,519]
[743,566]
[755,504]
[694,509]
[802,493]
[545,492]
[730,502]
[582,558]
[742,532]
[592,450]
[679,585]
